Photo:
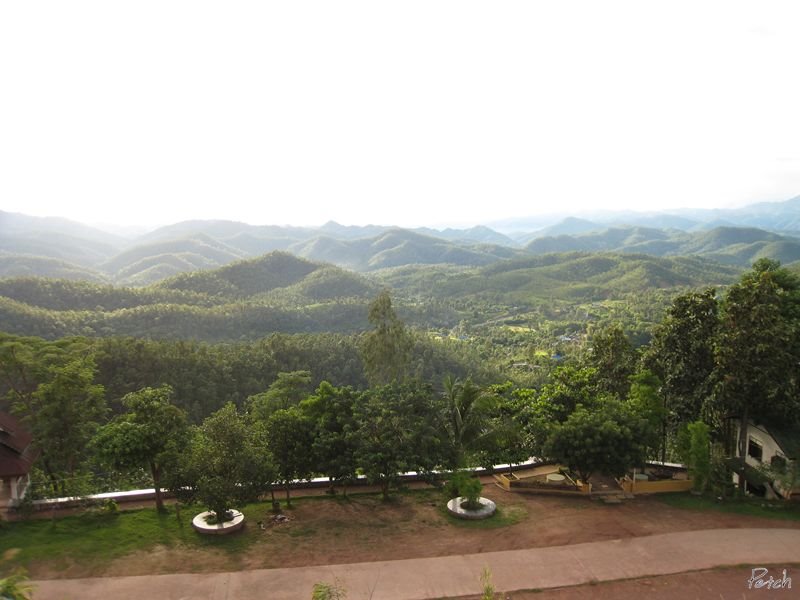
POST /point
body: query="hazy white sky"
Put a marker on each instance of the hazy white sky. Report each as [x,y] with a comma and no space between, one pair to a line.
[407,113]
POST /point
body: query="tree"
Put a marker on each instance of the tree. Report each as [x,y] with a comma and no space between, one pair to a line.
[756,352]
[286,391]
[330,410]
[643,400]
[227,462]
[386,350]
[144,435]
[682,355]
[615,360]
[506,441]
[570,386]
[605,438]
[289,437]
[466,417]
[62,415]
[699,454]
[398,431]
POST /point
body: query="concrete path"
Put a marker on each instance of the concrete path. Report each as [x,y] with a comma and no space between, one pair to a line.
[447,576]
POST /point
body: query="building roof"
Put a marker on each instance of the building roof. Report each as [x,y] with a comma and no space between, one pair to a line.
[16,452]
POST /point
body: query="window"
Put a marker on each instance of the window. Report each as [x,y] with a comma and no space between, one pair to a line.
[754,450]
[778,463]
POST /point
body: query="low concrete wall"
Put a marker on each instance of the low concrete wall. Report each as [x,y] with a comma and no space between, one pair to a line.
[656,487]
[316,483]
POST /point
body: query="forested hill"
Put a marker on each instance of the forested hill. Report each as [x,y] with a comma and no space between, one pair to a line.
[566,276]
[740,246]
[279,292]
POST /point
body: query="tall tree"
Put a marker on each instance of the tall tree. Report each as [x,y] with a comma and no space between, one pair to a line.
[386,349]
[289,437]
[398,431]
[615,360]
[331,412]
[643,400]
[507,441]
[286,391]
[142,437]
[756,353]
[62,415]
[682,355]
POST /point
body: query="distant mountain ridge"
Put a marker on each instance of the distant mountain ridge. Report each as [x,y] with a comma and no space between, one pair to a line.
[728,245]
[63,248]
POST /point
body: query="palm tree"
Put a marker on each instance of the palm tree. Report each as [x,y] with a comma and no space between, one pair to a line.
[466,414]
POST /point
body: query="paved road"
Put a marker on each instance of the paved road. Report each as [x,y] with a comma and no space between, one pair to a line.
[447,576]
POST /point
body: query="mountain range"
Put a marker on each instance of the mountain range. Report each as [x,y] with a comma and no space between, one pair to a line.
[55,247]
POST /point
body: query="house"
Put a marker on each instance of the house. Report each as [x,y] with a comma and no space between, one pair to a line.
[773,446]
[17,455]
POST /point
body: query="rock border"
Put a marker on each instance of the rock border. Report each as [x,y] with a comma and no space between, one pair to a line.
[235,524]
[487,509]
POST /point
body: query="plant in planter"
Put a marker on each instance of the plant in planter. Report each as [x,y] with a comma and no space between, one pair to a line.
[227,464]
[471,490]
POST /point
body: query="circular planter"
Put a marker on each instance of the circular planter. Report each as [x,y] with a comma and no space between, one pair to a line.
[486,510]
[235,524]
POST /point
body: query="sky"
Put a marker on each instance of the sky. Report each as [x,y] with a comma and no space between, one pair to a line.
[405,113]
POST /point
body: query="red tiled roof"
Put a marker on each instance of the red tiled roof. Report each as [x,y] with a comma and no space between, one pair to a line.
[16,453]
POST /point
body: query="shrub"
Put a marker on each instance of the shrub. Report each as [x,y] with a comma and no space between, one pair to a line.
[471,490]
[326,591]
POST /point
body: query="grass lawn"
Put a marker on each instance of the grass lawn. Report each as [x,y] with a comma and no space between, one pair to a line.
[95,539]
[752,507]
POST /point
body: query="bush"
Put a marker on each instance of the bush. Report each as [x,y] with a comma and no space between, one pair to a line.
[471,490]
[326,591]
[464,483]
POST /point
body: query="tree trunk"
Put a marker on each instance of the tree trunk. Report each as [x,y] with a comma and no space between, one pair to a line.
[385,489]
[664,434]
[288,497]
[743,449]
[156,473]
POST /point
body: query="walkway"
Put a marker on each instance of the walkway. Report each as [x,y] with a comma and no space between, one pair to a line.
[447,576]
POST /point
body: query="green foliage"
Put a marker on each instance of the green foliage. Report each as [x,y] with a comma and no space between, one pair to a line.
[227,462]
[486,582]
[699,456]
[150,430]
[16,587]
[286,391]
[471,490]
[644,400]
[62,415]
[682,355]
[330,409]
[464,484]
[398,431]
[608,438]
[327,591]
[386,349]
[467,412]
[289,437]
[614,359]
[506,441]
[758,349]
